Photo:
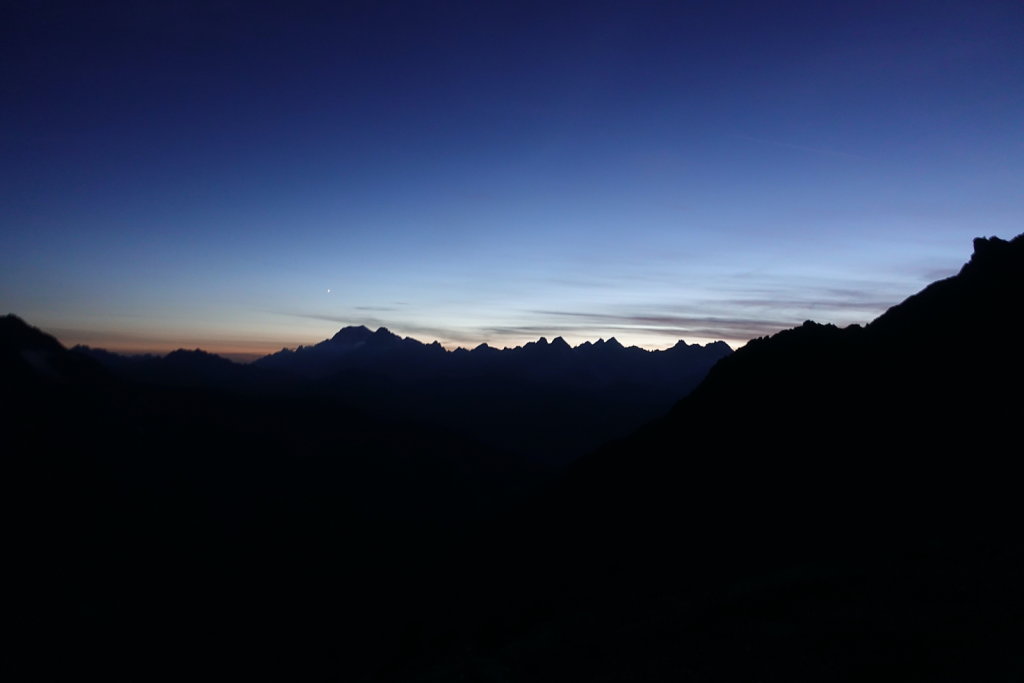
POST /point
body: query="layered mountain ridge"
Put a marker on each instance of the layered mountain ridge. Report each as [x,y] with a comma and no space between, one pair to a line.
[828,504]
[386,352]
[836,504]
[542,400]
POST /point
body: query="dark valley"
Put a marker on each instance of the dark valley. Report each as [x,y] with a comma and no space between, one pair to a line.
[825,504]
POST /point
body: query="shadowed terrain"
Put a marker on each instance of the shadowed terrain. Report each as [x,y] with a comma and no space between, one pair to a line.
[829,504]
[545,400]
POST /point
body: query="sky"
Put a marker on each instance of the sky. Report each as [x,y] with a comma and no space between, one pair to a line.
[246,176]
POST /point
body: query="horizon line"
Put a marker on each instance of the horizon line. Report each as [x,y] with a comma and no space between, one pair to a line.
[135,345]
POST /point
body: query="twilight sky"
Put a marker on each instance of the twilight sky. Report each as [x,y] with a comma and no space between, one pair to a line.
[243,176]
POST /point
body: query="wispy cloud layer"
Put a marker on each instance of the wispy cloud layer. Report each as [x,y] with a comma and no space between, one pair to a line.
[737,309]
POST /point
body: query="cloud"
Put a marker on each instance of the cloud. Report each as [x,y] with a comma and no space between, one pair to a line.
[736,313]
[237,349]
[679,326]
[319,316]
[424,333]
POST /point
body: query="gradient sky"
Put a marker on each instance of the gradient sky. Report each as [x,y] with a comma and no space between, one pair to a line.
[243,176]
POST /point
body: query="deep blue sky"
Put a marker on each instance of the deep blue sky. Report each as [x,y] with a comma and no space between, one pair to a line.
[202,173]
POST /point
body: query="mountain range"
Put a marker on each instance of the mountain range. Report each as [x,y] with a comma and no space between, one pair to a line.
[544,400]
[828,504]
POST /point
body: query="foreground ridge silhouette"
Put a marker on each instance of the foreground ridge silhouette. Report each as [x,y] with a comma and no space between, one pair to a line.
[836,504]
[829,504]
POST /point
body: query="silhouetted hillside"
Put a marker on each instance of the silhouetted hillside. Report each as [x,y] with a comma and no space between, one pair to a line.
[155,519]
[30,356]
[189,368]
[546,401]
[829,504]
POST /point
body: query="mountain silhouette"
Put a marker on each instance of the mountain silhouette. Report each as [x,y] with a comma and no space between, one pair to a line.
[834,504]
[154,513]
[828,504]
[358,348]
[188,368]
[543,400]
[29,356]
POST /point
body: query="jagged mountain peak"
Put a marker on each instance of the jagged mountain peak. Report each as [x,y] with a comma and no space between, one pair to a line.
[610,343]
[994,247]
[974,301]
[716,346]
[556,344]
[358,334]
[352,334]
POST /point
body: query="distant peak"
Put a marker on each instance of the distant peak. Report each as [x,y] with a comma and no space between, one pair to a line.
[354,329]
[196,356]
[352,334]
[610,343]
[559,343]
[187,352]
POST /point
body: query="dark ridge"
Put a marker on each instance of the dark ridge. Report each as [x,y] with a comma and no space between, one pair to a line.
[544,400]
[836,504]
[828,505]
[352,335]
[30,357]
